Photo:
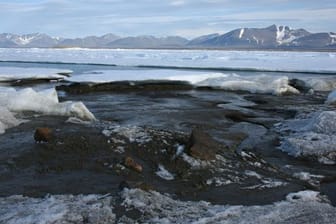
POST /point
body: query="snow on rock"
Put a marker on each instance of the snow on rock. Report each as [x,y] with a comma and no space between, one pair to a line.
[331,98]
[312,137]
[45,102]
[301,207]
[15,73]
[56,209]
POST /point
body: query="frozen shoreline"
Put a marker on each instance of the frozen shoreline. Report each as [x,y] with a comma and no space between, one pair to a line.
[301,207]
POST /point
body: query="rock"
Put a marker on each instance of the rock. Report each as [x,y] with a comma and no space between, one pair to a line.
[125,86]
[43,134]
[130,163]
[201,145]
[299,85]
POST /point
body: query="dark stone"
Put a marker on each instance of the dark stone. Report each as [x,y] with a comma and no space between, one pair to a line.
[202,146]
[159,85]
[131,164]
[43,134]
[299,85]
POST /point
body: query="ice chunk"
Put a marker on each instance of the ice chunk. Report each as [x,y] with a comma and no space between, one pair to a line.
[45,102]
[312,137]
[7,120]
[331,98]
[163,173]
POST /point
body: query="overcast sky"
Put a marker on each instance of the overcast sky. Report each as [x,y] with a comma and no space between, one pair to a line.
[188,18]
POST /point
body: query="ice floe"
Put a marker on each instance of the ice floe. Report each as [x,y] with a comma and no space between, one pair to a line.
[312,137]
[8,74]
[44,101]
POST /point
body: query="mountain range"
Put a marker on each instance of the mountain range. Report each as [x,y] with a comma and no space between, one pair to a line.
[272,37]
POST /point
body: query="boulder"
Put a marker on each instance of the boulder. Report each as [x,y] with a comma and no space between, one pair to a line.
[299,85]
[131,164]
[202,146]
[43,134]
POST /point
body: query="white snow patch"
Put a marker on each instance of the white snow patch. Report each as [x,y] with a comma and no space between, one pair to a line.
[132,133]
[219,181]
[241,33]
[193,162]
[280,34]
[163,173]
[310,178]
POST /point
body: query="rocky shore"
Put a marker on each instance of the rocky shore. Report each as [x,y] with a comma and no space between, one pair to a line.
[155,150]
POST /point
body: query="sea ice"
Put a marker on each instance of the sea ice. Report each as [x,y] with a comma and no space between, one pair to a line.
[15,73]
[317,62]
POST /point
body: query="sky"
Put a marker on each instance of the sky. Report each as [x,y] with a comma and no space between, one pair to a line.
[188,18]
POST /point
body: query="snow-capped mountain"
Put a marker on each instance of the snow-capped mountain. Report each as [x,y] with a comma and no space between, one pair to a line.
[27,40]
[269,37]
[272,37]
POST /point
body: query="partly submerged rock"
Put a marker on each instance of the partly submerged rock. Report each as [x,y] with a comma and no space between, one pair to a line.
[202,146]
[300,85]
[43,134]
[132,164]
[159,85]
